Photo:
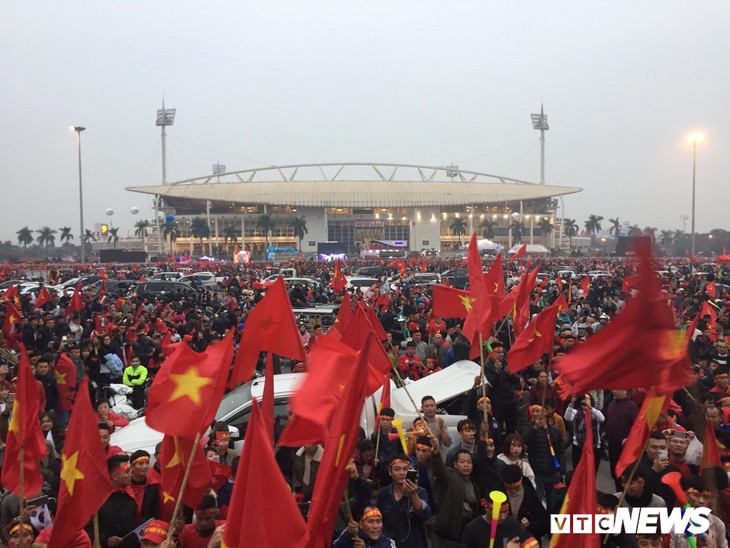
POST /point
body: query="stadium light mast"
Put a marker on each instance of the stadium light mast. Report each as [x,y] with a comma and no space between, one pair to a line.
[694,139]
[78,130]
[539,121]
[165,117]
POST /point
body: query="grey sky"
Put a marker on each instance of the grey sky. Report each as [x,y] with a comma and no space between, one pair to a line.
[273,82]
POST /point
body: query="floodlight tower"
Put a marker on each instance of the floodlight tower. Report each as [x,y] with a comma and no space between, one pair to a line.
[165,117]
[539,121]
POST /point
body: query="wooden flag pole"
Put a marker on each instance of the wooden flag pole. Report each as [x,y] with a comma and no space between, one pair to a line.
[97,542]
[178,502]
[21,482]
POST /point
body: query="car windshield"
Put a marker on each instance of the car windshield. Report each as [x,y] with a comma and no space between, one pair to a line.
[233,400]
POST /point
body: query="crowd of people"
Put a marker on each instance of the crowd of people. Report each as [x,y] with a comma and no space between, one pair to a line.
[429,487]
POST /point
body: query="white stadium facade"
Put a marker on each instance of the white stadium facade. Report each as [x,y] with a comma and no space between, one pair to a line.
[358,205]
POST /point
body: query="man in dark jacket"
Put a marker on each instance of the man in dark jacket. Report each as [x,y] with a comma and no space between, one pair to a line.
[503,385]
[525,505]
[620,416]
[50,386]
[118,514]
[545,455]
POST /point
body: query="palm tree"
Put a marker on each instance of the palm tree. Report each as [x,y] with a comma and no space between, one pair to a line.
[593,226]
[46,237]
[25,236]
[458,227]
[635,231]
[651,232]
[666,238]
[140,231]
[87,239]
[169,232]
[66,235]
[615,227]
[518,229]
[300,229]
[113,238]
[265,223]
[229,233]
[546,227]
[199,229]
[488,227]
[570,229]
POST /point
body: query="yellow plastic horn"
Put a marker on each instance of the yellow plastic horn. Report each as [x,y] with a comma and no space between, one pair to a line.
[498,497]
[398,424]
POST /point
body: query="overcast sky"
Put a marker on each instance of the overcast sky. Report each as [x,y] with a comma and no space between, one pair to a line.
[272,82]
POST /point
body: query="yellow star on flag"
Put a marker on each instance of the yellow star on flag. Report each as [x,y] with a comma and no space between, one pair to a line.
[537,334]
[69,472]
[167,497]
[60,377]
[189,384]
[466,301]
[15,418]
[675,345]
[176,457]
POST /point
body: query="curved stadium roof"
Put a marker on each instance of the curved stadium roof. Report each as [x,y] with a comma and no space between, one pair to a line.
[381,185]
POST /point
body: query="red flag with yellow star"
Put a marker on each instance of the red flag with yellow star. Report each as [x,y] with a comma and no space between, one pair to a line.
[536,340]
[342,438]
[12,316]
[85,483]
[521,252]
[76,304]
[339,281]
[186,391]
[12,295]
[449,302]
[174,456]
[269,328]
[43,297]
[24,432]
[639,348]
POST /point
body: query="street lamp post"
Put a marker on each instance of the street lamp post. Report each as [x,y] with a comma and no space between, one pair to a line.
[694,139]
[78,130]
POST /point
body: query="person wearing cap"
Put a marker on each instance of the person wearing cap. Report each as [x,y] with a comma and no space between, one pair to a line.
[508,531]
[403,506]
[389,444]
[118,515]
[525,505]
[367,533]
[146,492]
[155,534]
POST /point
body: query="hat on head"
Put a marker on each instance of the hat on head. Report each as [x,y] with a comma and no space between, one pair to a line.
[47,358]
[156,531]
[139,454]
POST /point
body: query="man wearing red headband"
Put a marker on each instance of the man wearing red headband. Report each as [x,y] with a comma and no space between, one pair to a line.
[368,533]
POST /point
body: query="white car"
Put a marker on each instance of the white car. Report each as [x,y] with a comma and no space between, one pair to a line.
[235,409]
[167,276]
[203,279]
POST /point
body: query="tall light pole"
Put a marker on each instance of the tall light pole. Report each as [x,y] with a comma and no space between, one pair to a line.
[684,218]
[78,130]
[165,117]
[540,122]
[694,139]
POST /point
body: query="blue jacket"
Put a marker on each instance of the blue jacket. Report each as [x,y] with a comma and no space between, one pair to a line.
[401,520]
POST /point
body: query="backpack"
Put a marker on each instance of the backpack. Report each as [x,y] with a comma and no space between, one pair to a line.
[114,363]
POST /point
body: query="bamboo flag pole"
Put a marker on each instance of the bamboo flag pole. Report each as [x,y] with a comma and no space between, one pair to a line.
[178,502]
[484,385]
[21,483]
[97,542]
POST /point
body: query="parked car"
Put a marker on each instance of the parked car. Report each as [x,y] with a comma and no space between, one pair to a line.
[200,279]
[155,289]
[167,276]
[114,288]
[446,386]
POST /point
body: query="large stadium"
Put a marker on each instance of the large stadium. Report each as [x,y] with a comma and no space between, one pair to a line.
[355,207]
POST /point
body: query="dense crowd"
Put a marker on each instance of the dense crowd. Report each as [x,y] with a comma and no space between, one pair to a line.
[429,489]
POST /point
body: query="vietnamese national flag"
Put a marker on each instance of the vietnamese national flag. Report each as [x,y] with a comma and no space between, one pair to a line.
[561,303]
[187,389]
[581,497]
[344,317]
[480,318]
[43,297]
[521,252]
[12,295]
[378,329]
[76,304]
[494,281]
[339,281]
[521,310]
[174,456]
[12,316]
[710,290]
[585,285]
[653,406]
[377,357]
[708,310]
[628,284]
[85,483]
[536,339]
[24,431]
[271,327]
[262,511]
[384,402]
[449,302]
[711,449]
[640,348]
[342,438]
